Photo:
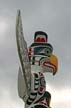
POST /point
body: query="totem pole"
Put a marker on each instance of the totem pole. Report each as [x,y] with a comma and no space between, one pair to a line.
[35,60]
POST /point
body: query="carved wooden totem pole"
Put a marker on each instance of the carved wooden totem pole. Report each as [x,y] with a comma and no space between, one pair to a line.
[35,61]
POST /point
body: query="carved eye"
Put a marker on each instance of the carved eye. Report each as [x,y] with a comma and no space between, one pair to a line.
[47,51]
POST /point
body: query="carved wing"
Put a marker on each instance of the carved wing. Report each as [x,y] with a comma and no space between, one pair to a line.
[21,86]
[23,53]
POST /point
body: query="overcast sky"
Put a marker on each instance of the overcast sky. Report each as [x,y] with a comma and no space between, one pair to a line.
[51,16]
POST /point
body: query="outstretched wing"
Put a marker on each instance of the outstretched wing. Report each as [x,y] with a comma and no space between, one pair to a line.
[21,85]
[23,52]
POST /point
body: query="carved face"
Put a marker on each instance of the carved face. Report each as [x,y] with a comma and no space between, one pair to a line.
[40,54]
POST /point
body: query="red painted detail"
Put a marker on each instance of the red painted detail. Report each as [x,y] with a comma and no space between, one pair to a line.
[42,40]
[54,67]
[39,39]
[29,51]
[41,89]
[41,74]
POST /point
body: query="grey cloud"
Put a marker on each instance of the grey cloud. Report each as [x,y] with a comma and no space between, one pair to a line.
[52,17]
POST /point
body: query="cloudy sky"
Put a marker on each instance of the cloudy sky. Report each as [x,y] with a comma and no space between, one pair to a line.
[51,16]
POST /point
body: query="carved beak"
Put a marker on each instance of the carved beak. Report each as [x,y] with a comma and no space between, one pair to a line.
[49,64]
